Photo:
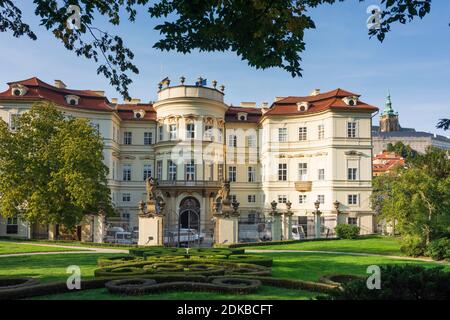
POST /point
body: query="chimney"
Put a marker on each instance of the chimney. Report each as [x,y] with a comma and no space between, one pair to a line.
[100,92]
[248,104]
[114,100]
[279,98]
[265,105]
[133,101]
[315,92]
[60,84]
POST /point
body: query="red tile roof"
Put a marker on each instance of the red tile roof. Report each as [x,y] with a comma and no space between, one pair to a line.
[126,111]
[386,161]
[40,90]
[253,114]
[321,102]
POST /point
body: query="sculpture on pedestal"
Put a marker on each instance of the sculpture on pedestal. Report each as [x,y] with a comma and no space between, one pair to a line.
[276,222]
[223,205]
[155,200]
[288,223]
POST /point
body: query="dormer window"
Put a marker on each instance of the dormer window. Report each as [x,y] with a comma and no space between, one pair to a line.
[351,101]
[72,100]
[139,114]
[19,90]
[242,116]
[302,106]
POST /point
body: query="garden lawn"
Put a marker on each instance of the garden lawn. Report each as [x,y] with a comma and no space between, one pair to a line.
[370,244]
[8,247]
[311,266]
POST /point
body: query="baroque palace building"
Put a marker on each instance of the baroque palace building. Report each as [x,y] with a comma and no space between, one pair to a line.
[300,149]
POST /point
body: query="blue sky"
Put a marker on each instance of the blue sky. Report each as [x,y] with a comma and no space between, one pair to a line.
[413,63]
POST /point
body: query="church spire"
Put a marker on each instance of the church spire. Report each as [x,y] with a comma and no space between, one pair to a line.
[388,106]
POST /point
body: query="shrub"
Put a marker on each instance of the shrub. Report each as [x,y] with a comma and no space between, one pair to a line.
[437,249]
[412,246]
[347,231]
[407,282]
[14,283]
[104,262]
[338,279]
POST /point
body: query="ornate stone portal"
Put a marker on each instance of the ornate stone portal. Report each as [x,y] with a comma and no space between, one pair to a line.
[151,216]
[226,217]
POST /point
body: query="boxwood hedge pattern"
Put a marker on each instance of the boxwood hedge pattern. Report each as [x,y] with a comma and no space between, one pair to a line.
[186,266]
[147,286]
[16,283]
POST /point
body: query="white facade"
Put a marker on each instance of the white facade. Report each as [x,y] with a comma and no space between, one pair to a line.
[265,156]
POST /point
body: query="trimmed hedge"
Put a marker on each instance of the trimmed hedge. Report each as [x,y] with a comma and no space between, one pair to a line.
[15,283]
[104,262]
[252,259]
[268,243]
[339,279]
[222,285]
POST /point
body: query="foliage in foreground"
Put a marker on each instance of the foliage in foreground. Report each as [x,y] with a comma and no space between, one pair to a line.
[417,199]
[398,282]
[265,33]
[347,231]
[51,169]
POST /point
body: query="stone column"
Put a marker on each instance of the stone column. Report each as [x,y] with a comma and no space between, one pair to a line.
[276,222]
[99,231]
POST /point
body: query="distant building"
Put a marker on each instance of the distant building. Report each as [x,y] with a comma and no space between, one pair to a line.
[390,131]
[385,162]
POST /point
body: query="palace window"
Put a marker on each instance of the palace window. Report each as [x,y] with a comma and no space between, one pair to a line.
[321,132]
[127,138]
[147,171]
[352,173]
[251,174]
[12,226]
[148,137]
[159,168]
[302,171]
[351,129]
[282,172]
[232,140]
[282,198]
[233,198]
[126,197]
[352,220]
[161,132]
[232,173]
[172,167]
[321,198]
[190,171]
[190,131]
[352,199]
[282,134]
[209,133]
[219,135]
[13,122]
[251,141]
[173,132]
[302,133]
[302,199]
[126,172]
[321,174]
[251,198]
[220,171]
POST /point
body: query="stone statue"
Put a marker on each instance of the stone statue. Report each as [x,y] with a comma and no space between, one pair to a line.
[151,185]
[223,197]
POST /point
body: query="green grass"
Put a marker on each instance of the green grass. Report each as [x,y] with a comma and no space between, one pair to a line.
[311,266]
[373,244]
[50,267]
[303,266]
[7,247]
[264,293]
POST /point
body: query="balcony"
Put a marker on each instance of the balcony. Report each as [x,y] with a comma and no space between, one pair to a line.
[303,186]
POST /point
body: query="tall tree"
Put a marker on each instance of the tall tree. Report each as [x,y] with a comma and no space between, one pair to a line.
[265,33]
[51,168]
[402,150]
[418,197]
